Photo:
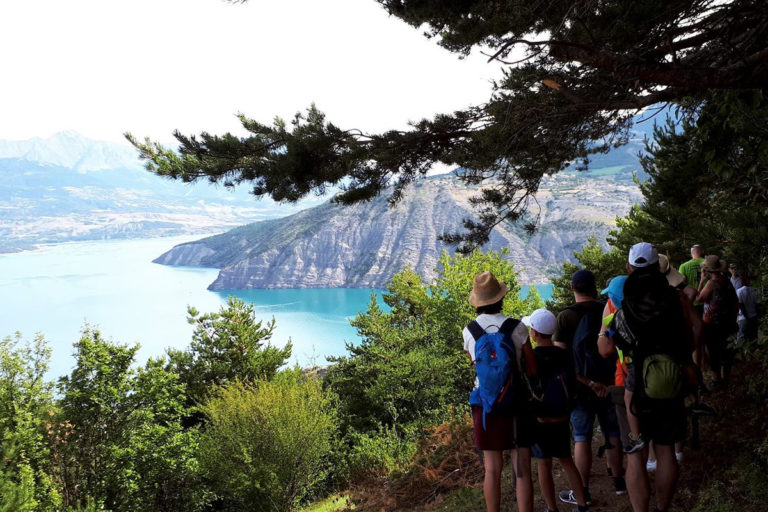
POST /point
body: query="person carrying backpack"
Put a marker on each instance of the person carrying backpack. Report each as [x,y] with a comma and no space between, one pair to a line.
[503,358]
[577,330]
[552,407]
[651,329]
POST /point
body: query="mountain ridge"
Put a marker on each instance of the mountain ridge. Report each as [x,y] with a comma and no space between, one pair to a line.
[363,245]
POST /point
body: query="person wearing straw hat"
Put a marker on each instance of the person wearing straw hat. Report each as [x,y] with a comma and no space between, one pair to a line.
[721,308]
[511,429]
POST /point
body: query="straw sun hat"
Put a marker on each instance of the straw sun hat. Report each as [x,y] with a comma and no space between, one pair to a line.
[674,278]
[713,263]
[486,290]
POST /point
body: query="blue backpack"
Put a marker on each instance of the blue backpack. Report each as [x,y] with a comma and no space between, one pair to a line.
[496,368]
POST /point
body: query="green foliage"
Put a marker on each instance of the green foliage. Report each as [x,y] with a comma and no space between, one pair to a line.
[95,402]
[385,450]
[265,445]
[157,467]
[17,483]
[227,345]
[25,403]
[604,265]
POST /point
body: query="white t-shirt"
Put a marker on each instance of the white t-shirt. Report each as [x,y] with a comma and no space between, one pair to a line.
[749,297]
[491,323]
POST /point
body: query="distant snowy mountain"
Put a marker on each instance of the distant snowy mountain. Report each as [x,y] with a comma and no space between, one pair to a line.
[74,151]
[67,187]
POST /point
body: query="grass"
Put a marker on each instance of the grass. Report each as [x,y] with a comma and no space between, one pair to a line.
[330,504]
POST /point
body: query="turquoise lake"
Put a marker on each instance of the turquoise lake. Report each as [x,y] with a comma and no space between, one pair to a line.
[113,285]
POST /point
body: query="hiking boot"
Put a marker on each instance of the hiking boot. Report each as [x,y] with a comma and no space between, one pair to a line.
[650,466]
[620,485]
[634,444]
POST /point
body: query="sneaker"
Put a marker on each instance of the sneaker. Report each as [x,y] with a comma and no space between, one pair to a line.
[650,466]
[570,498]
[679,457]
[634,444]
[701,409]
[620,485]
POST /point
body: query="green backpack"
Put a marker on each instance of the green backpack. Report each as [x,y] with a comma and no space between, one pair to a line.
[662,377]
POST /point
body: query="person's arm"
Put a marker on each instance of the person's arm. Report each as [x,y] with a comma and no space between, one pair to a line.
[530,360]
[705,292]
[690,292]
[605,345]
[560,334]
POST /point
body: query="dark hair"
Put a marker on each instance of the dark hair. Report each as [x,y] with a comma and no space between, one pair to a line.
[583,282]
[490,309]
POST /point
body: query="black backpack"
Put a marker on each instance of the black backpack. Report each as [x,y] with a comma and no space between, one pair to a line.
[586,358]
[650,326]
[556,396]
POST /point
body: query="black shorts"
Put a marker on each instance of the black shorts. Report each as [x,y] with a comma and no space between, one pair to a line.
[502,432]
[553,440]
[664,425]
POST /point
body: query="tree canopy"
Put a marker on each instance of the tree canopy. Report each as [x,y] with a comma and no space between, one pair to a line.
[575,72]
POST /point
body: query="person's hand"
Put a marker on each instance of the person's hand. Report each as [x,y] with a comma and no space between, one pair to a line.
[599,389]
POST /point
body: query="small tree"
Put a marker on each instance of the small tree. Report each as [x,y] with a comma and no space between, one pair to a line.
[227,345]
[95,403]
[265,443]
[592,257]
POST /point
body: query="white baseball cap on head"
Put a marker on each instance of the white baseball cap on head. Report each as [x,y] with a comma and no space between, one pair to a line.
[643,255]
[542,321]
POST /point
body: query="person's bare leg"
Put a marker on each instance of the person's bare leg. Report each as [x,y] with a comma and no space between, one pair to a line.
[582,456]
[546,482]
[614,457]
[637,480]
[493,462]
[574,479]
[667,472]
[521,460]
[634,422]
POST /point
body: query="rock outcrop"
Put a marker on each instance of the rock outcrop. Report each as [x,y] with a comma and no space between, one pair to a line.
[365,244]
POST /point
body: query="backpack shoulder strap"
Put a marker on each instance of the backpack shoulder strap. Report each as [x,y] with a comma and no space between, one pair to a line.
[475,330]
[509,325]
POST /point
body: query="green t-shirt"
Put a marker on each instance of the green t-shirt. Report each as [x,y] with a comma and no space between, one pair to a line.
[691,271]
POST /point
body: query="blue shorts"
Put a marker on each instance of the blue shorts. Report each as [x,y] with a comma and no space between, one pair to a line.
[583,419]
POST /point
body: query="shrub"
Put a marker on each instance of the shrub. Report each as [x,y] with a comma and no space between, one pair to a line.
[265,445]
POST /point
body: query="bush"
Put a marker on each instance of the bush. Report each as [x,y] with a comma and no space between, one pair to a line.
[266,444]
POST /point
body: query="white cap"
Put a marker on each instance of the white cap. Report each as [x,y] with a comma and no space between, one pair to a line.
[643,255]
[542,321]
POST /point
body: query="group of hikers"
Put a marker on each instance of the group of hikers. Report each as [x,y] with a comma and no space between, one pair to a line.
[631,361]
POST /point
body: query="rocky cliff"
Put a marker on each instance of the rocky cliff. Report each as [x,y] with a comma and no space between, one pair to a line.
[363,245]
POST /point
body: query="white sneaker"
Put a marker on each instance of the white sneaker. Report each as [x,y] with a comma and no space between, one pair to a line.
[679,457]
[650,466]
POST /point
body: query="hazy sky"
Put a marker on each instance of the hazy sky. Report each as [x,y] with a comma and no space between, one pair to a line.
[103,67]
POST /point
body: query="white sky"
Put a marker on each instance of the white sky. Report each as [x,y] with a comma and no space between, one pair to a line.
[104,67]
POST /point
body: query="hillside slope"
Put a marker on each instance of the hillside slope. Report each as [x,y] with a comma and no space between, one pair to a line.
[363,245]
